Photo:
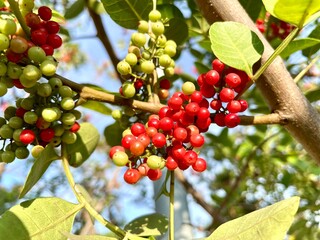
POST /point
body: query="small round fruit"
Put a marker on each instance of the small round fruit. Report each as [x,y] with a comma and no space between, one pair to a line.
[6,131]
[165,60]
[65,91]
[19,44]
[15,122]
[36,54]
[128,90]
[49,114]
[21,152]
[48,67]
[67,103]
[131,58]
[132,176]
[3,89]
[157,28]
[123,68]
[69,137]
[116,114]
[45,13]
[120,158]
[154,162]
[139,39]
[44,90]
[36,151]
[188,88]
[8,156]
[8,26]
[154,174]
[200,165]
[4,42]
[154,15]
[147,67]
[143,26]
[27,136]
[31,73]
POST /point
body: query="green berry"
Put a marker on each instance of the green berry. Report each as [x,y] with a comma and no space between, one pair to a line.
[170,50]
[67,103]
[16,135]
[128,90]
[21,152]
[68,118]
[124,68]
[3,69]
[154,15]
[116,114]
[44,90]
[3,121]
[55,83]
[55,141]
[49,114]
[30,117]
[15,122]
[169,72]
[154,162]
[147,67]
[14,71]
[26,83]
[8,156]
[157,28]
[3,89]
[143,26]
[120,158]
[32,73]
[139,39]
[36,54]
[36,151]
[6,131]
[48,67]
[165,60]
[10,112]
[8,26]
[161,41]
[131,58]
[69,137]
[188,88]
[27,103]
[58,130]
[65,91]
[4,42]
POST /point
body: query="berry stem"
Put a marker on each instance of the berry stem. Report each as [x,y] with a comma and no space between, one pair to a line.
[275,54]
[305,70]
[171,211]
[16,10]
[121,233]
[154,5]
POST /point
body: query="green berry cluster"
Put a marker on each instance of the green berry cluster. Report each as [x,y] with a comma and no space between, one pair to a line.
[149,51]
[45,116]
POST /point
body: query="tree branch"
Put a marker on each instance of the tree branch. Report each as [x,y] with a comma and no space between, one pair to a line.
[103,37]
[276,85]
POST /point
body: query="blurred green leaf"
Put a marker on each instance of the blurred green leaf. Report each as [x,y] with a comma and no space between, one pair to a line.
[235,45]
[75,9]
[87,140]
[299,44]
[169,11]
[39,167]
[40,218]
[252,7]
[312,50]
[202,68]
[97,106]
[128,13]
[171,31]
[148,225]
[313,95]
[269,223]
[113,134]
[298,13]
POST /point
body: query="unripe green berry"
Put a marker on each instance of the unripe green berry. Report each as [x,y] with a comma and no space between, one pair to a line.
[120,158]
[3,69]
[165,60]
[154,162]
[32,73]
[157,28]
[116,114]
[188,88]
[6,131]
[8,156]
[169,72]
[3,89]
[14,71]
[49,114]
[27,103]
[147,67]
[138,39]
[4,42]
[128,90]
[55,83]
[124,68]
[16,135]
[69,137]
[25,82]
[58,130]
[30,117]
[21,152]
[36,151]
[3,121]
[161,41]
[131,58]
[65,91]
[143,26]
[170,50]
[55,141]
[154,15]
[15,122]
[36,54]
[44,90]
[48,67]
[68,118]
[67,103]
[10,112]
[8,26]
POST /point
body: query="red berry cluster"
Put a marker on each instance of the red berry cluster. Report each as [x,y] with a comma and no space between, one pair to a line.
[167,140]
[221,84]
[279,29]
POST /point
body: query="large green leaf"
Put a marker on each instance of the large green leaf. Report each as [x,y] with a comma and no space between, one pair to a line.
[235,45]
[37,219]
[87,140]
[75,9]
[312,50]
[41,164]
[128,13]
[97,106]
[177,30]
[113,134]
[299,44]
[313,95]
[169,11]
[295,12]
[148,225]
[270,223]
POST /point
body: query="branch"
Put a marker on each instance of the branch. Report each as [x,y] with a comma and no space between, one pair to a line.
[276,85]
[103,37]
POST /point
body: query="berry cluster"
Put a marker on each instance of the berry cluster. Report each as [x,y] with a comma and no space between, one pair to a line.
[220,85]
[149,50]
[169,139]
[46,116]
[279,29]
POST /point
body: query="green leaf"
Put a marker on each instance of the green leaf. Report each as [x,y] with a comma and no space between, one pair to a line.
[169,11]
[299,44]
[40,218]
[177,30]
[128,13]
[252,7]
[298,13]
[148,225]
[113,134]
[313,95]
[75,9]
[269,223]
[87,140]
[40,165]
[87,237]
[312,50]
[97,106]
[201,68]
[235,45]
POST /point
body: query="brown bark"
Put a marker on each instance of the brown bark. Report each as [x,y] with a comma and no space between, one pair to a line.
[276,85]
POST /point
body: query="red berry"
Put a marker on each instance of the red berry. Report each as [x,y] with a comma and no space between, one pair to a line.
[218,65]
[226,95]
[244,105]
[180,134]
[212,77]
[115,149]
[207,90]
[204,103]
[136,147]
[234,106]
[164,112]
[190,157]
[200,79]
[144,138]
[17,84]
[151,131]
[159,140]
[137,129]
[20,112]
[48,49]
[32,20]
[132,176]
[12,56]
[178,152]
[75,127]
[54,40]
[219,119]
[154,174]
[216,104]
[196,96]
[154,122]
[203,113]
[138,84]
[171,164]
[233,80]
[39,37]
[45,13]
[46,135]
[200,165]
[196,140]
[232,120]
[27,136]
[165,84]
[166,124]
[126,140]
[175,103]
[52,27]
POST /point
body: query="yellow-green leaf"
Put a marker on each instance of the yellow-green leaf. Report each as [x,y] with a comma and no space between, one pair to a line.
[296,12]
[269,223]
[38,219]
